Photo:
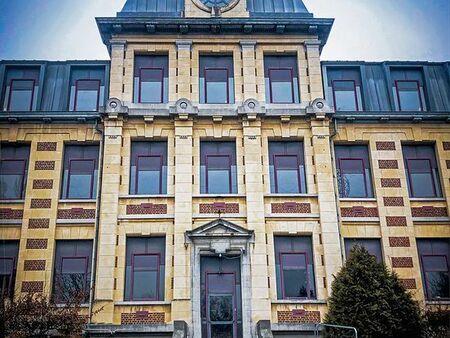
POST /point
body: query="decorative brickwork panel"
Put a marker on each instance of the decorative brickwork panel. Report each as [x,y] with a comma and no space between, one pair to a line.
[429,211]
[142,317]
[39,223]
[34,265]
[446,145]
[359,211]
[289,317]
[393,201]
[37,243]
[408,283]
[399,242]
[44,165]
[391,183]
[42,184]
[33,286]
[213,208]
[291,208]
[396,221]
[448,164]
[76,213]
[388,164]
[147,209]
[46,146]
[41,203]
[8,213]
[381,145]
[402,262]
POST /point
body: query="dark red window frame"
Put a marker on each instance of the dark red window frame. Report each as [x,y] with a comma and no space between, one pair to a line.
[343,171]
[70,174]
[205,72]
[409,174]
[398,92]
[23,174]
[308,289]
[160,170]
[76,92]
[161,82]
[157,296]
[354,91]
[292,83]
[427,270]
[275,167]
[230,184]
[11,91]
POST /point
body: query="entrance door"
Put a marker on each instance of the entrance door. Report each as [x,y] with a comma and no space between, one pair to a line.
[221,297]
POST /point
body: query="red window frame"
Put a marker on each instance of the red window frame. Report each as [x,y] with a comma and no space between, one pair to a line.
[205,70]
[398,92]
[92,176]
[11,90]
[308,288]
[22,183]
[354,91]
[137,171]
[363,172]
[292,83]
[61,273]
[161,82]
[8,290]
[230,184]
[426,270]
[76,92]
[431,174]
[158,255]
[274,156]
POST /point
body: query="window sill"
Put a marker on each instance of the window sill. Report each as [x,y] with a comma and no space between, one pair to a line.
[299,301]
[431,219]
[84,305]
[142,302]
[217,195]
[427,199]
[438,302]
[77,201]
[146,196]
[290,195]
[12,201]
[358,199]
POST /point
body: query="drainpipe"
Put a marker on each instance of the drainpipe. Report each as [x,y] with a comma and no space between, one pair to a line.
[97,221]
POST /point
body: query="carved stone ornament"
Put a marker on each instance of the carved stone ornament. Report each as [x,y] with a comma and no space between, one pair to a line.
[215,6]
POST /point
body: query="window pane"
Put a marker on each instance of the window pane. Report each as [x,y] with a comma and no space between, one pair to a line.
[21,95]
[11,179]
[373,246]
[421,178]
[218,174]
[151,90]
[281,85]
[6,266]
[345,95]
[87,95]
[222,331]
[5,283]
[409,95]
[437,284]
[435,263]
[73,265]
[149,175]
[287,174]
[216,85]
[221,308]
[145,285]
[145,262]
[80,179]
[352,177]
[295,283]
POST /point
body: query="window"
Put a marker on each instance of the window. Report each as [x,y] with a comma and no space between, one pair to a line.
[434,263]
[216,79]
[80,172]
[422,172]
[294,267]
[145,268]
[371,245]
[353,171]
[13,171]
[9,251]
[21,88]
[344,86]
[151,79]
[408,89]
[87,88]
[287,167]
[218,168]
[72,270]
[281,79]
[148,174]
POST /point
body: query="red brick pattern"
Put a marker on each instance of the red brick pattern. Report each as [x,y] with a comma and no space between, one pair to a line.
[446,145]
[359,211]
[39,223]
[396,221]
[41,203]
[408,283]
[393,201]
[427,211]
[44,165]
[289,318]
[391,183]
[37,243]
[291,208]
[42,184]
[212,208]
[399,242]
[383,145]
[34,265]
[76,213]
[46,146]
[402,262]
[388,164]
[142,317]
[147,209]
[8,213]
[33,286]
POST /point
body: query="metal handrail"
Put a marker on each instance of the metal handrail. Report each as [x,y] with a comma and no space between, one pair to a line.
[316,330]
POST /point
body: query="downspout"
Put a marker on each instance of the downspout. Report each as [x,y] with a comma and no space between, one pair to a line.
[97,222]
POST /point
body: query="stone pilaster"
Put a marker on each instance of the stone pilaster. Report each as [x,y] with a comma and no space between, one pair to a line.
[117,65]
[314,69]
[184,68]
[249,68]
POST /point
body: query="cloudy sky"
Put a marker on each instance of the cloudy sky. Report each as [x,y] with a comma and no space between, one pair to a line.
[363,30]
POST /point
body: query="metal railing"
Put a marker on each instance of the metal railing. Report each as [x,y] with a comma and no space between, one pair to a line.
[352,332]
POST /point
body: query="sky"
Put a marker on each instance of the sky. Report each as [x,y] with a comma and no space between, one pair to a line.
[370,30]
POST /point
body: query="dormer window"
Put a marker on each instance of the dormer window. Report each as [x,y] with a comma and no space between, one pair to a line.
[21,88]
[151,79]
[87,88]
[344,87]
[408,89]
[281,79]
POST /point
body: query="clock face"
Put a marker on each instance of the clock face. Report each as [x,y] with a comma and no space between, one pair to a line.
[216,3]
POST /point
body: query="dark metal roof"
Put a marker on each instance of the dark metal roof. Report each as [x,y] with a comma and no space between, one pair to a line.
[152,7]
[278,7]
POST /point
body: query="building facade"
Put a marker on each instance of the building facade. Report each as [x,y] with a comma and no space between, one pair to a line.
[210,179]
